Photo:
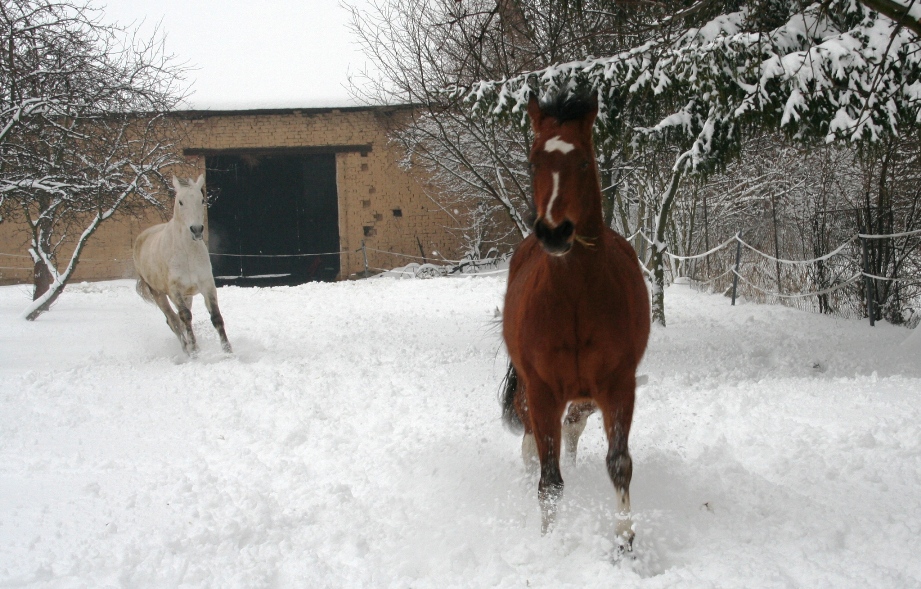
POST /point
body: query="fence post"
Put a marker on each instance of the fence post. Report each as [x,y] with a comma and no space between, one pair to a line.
[364,254]
[735,275]
[868,285]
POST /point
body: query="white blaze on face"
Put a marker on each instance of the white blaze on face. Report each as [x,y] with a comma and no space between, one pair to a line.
[556,192]
[557,144]
[564,147]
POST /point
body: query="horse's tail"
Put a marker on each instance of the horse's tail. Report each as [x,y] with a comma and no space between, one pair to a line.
[507,391]
[145,291]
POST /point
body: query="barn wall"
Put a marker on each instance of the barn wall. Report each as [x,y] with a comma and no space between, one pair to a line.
[107,255]
[370,183]
[371,187]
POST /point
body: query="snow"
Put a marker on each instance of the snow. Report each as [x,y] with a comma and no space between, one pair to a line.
[354,440]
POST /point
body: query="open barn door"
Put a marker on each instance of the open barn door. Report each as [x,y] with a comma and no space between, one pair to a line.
[274,219]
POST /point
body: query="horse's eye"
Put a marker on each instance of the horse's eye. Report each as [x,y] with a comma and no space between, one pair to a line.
[180,203]
[531,167]
[585,165]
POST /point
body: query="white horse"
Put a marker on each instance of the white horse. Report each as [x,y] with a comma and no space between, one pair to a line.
[173,265]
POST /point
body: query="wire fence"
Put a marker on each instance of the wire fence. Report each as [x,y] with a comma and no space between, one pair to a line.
[405,265]
[832,283]
[429,267]
[838,282]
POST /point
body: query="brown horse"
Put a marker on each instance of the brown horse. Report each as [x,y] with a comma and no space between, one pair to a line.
[576,318]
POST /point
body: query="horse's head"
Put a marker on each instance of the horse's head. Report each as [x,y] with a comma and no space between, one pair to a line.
[189,208]
[563,169]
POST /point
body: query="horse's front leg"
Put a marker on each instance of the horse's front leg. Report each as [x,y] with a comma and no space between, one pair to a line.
[217,320]
[546,413]
[185,315]
[616,406]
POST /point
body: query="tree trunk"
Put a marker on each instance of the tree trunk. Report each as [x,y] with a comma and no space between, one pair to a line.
[608,193]
[658,285]
[658,250]
[51,294]
[41,279]
[42,302]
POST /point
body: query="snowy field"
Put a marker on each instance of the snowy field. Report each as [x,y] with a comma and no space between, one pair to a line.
[354,440]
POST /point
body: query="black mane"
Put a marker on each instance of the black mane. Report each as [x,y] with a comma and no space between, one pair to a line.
[568,105]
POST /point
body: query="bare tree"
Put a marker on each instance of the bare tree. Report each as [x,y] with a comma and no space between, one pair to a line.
[84,131]
[421,50]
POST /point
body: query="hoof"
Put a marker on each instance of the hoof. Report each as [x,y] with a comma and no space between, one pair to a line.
[546,523]
[623,549]
[548,507]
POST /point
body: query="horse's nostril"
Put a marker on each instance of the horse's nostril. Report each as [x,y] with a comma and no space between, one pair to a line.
[556,240]
[197,230]
[566,229]
[540,229]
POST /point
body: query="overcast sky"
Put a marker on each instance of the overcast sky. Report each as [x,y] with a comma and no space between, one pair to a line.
[255,54]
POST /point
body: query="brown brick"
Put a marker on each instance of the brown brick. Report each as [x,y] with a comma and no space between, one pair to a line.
[358,175]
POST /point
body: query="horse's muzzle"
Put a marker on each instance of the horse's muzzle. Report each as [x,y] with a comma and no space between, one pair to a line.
[557,240]
[197,232]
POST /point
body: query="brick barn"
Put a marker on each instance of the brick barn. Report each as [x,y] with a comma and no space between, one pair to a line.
[285,185]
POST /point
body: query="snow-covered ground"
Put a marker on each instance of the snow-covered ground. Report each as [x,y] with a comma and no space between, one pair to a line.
[354,440]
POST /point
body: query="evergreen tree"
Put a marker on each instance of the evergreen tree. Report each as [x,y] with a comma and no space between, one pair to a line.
[713,72]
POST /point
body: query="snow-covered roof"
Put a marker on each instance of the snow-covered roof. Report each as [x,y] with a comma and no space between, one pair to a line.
[307,110]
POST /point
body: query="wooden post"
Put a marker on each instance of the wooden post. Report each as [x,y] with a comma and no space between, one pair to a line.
[706,236]
[776,242]
[735,275]
[364,254]
[868,285]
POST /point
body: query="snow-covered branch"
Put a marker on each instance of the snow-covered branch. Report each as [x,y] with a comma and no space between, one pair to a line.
[831,71]
[84,135]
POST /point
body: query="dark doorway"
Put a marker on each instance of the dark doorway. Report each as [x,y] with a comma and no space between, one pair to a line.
[267,213]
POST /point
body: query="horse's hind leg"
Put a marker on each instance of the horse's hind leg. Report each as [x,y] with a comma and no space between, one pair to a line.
[574,425]
[515,410]
[546,413]
[216,319]
[172,319]
[185,315]
[529,451]
[617,410]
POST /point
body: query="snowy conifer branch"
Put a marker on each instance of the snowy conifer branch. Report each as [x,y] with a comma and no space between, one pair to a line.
[839,71]
[832,70]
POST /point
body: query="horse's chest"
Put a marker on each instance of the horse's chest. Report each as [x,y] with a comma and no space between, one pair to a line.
[565,314]
[188,272]
[567,336]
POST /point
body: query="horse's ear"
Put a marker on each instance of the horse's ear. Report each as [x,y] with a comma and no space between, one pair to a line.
[201,177]
[176,185]
[534,112]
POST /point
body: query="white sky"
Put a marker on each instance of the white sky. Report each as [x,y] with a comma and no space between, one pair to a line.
[255,54]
